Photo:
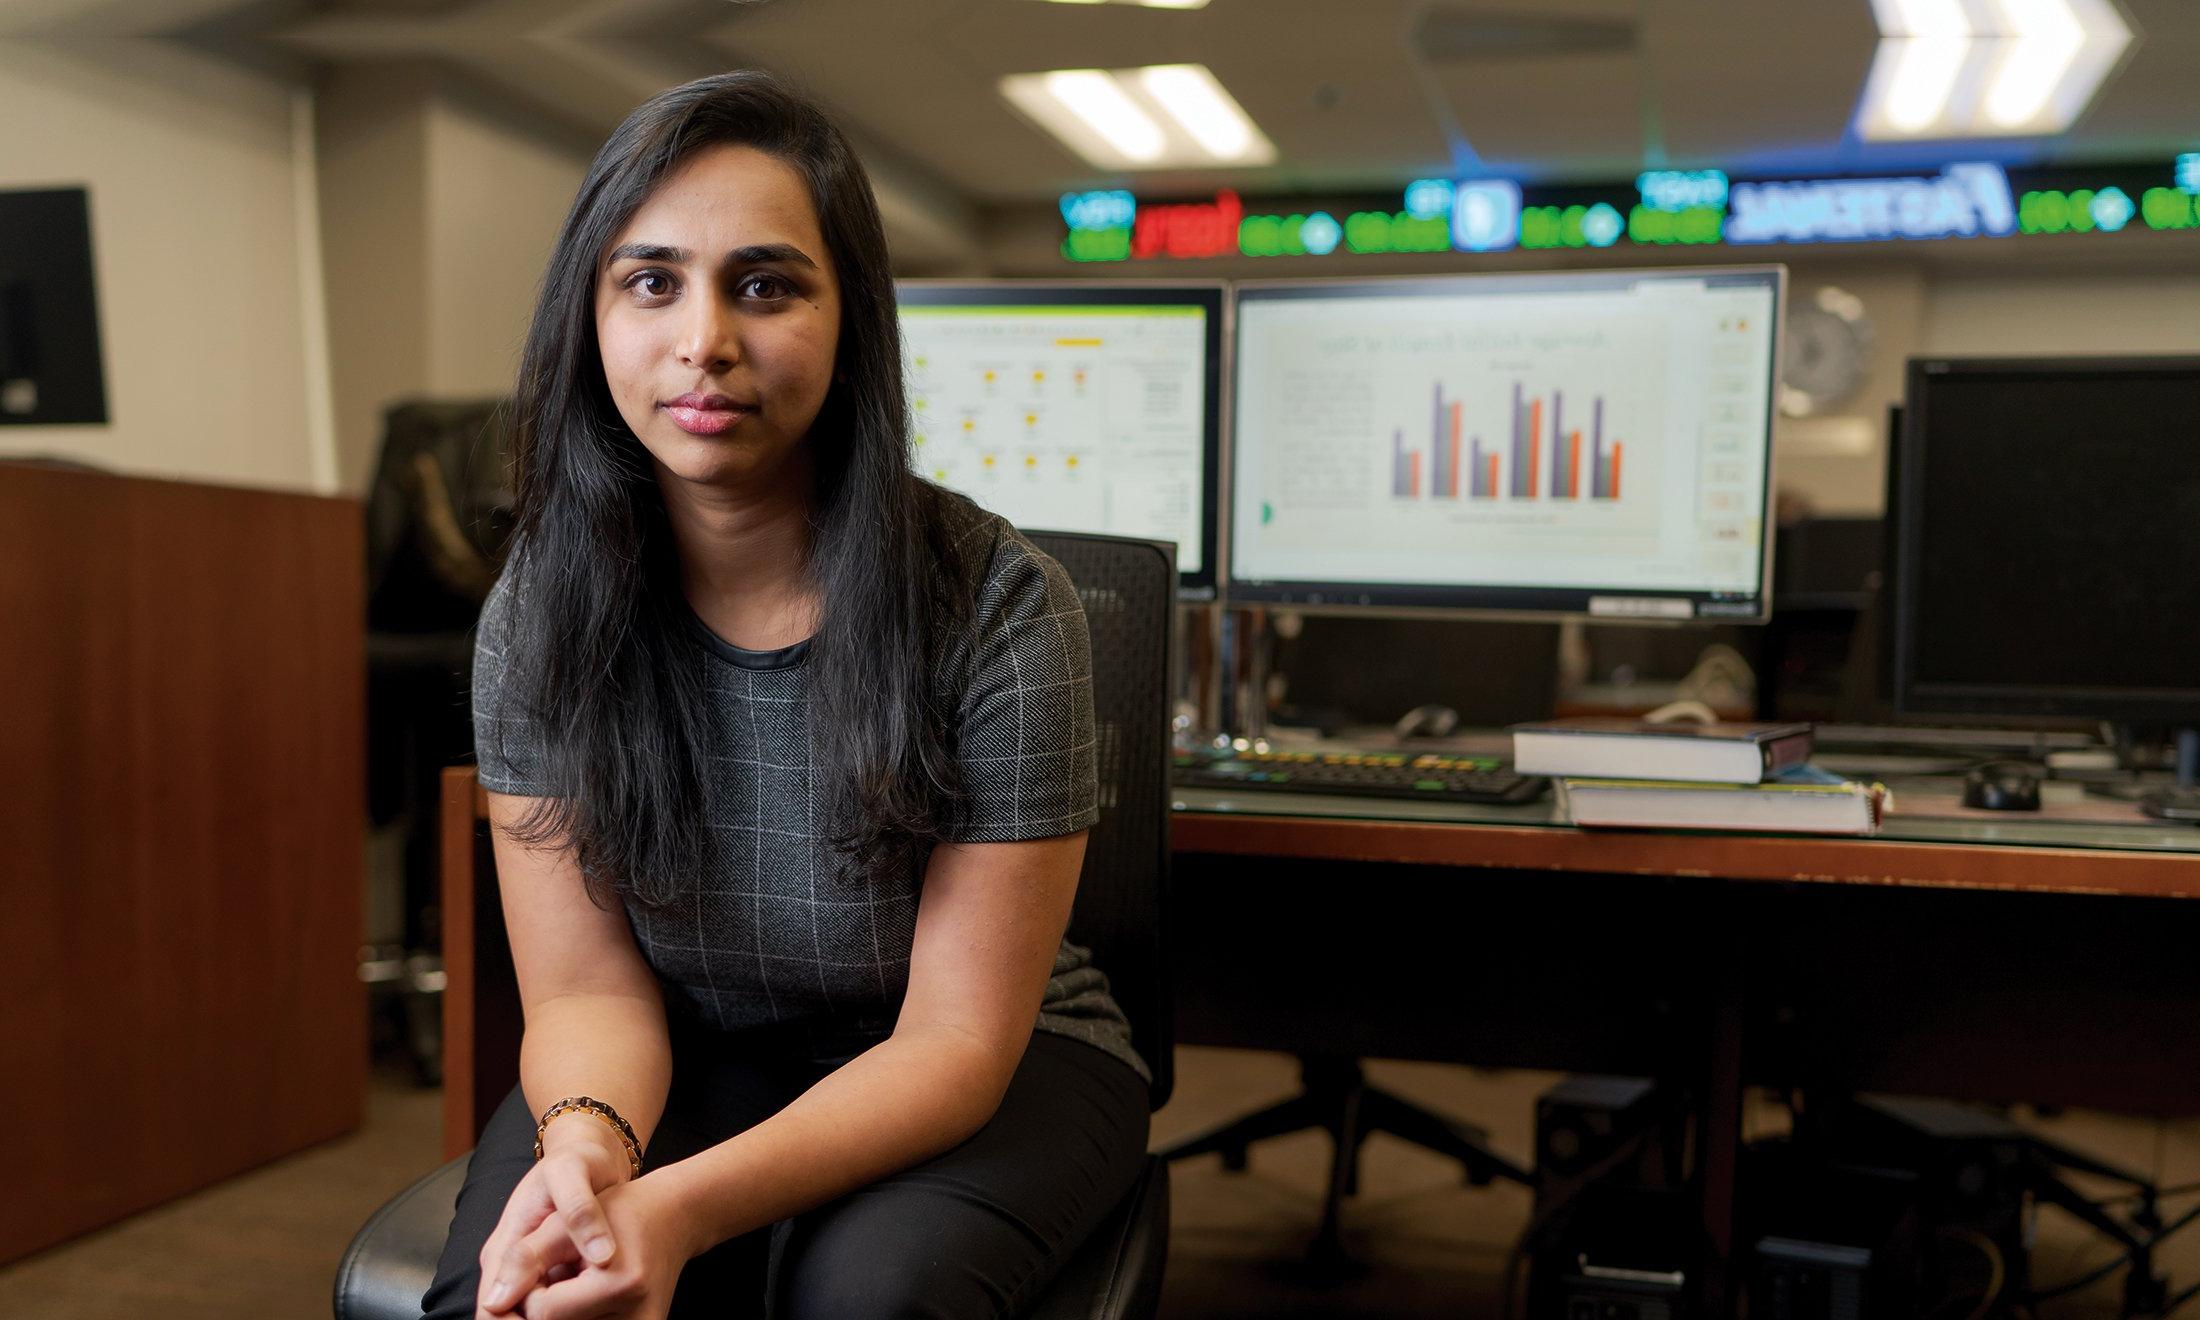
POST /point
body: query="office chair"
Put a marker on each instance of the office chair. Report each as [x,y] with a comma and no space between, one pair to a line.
[1129,590]
[1334,1095]
[438,515]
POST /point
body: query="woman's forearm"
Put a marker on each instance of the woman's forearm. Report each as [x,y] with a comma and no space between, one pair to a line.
[612,1047]
[912,1096]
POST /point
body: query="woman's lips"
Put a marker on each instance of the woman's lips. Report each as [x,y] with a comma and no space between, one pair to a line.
[705,421]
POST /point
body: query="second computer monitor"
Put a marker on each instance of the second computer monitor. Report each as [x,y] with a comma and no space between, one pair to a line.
[1595,444]
[1074,407]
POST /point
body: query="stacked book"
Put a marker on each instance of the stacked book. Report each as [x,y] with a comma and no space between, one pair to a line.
[1631,774]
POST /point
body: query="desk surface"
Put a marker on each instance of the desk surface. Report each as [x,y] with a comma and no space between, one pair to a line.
[1972,851]
[2031,855]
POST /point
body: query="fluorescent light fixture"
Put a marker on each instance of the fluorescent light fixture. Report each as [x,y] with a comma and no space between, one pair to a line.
[1195,100]
[2035,63]
[1087,110]
[1098,99]
[1984,68]
[1169,116]
[1924,77]
[1923,18]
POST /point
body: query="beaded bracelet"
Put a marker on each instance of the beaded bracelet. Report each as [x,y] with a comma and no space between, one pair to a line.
[582,1104]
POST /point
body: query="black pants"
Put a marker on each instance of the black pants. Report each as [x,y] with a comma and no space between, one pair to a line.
[978,1231]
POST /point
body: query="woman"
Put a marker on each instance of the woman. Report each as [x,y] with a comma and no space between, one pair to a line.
[790,759]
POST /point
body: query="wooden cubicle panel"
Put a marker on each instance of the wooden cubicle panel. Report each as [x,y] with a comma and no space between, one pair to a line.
[182,837]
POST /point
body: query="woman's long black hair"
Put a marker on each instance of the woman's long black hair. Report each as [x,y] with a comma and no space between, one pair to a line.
[600,652]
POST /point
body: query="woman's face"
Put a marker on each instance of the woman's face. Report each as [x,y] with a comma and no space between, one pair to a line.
[718,312]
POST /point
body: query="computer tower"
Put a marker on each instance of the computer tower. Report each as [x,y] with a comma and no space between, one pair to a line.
[1969,1162]
[1583,1120]
[1624,1253]
[1827,1242]
[1615,1239]
[1799,1280]
[1595,1292]
[1971,1176]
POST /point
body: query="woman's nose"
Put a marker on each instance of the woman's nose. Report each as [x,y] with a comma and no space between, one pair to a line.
[708,341]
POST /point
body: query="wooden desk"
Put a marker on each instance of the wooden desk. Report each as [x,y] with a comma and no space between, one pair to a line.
[2021,855]
[1506,914]
[1968,957]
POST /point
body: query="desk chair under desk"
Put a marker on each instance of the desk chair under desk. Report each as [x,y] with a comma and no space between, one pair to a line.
[1364,664]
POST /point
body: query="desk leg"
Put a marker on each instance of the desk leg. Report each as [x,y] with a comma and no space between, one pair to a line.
[1720,1137]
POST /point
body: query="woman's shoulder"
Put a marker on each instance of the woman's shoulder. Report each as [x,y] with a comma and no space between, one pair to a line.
[998,564]
[504,631]
[968,529]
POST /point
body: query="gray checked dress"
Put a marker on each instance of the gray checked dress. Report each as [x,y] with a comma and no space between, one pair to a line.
[771,938]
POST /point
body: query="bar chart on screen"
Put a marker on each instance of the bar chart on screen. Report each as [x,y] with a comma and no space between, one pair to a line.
[1494,438]
[1594,437]
[1527,464]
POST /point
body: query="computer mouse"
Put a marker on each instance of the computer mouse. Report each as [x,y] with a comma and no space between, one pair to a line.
[2002,788]
[1427,722]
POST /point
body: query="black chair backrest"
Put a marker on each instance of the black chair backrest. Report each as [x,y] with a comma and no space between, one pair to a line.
[1129,591]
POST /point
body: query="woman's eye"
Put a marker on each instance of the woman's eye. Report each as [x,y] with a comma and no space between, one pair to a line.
[650,283]
[770,288]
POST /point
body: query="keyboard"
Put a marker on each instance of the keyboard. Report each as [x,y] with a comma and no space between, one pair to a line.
[1426,777]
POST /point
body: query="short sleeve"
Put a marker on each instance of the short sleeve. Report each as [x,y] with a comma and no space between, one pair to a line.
[1025,722]
[507,740]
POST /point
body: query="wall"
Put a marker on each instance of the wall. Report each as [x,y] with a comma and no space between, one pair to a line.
[2123,313]
[496,195]
[195,250]
[439,215]
[372,134]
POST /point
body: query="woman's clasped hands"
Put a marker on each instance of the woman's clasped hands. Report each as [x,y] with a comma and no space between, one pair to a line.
[580,1238]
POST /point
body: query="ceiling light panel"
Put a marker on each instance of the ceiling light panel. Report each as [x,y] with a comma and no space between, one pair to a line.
[1168,116]
[1987,68]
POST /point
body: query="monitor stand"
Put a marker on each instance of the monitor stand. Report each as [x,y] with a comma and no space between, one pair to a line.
[2182,802]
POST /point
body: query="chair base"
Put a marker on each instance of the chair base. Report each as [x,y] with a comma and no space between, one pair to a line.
[1337,1098]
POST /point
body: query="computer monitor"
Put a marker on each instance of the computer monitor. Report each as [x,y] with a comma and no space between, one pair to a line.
[2044,515]
[1594,443]
[1085,407]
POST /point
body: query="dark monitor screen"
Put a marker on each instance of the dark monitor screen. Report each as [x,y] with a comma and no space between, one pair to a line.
[1090,407]
[2047,539]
